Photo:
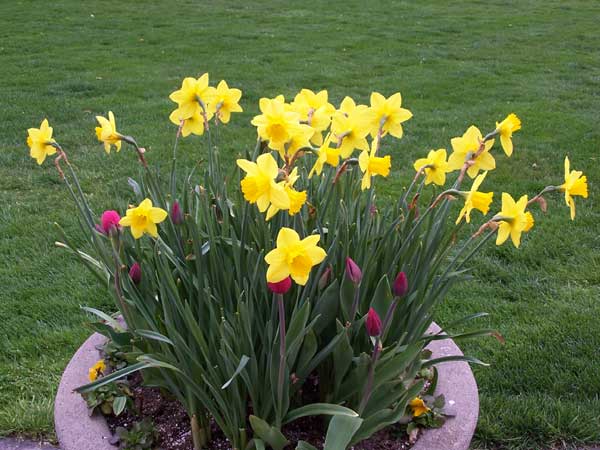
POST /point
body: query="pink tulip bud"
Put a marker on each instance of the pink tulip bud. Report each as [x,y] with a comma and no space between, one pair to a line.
[135,273]
[400,287]
[373,323]
[176,214]
[281,287]
[353,271]
[325,278]
[109,221]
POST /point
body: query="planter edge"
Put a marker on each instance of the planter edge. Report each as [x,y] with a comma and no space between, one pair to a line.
[76,430]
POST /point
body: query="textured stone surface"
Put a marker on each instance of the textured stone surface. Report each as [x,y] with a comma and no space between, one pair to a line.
[21,444]
[75,429]
[456,382]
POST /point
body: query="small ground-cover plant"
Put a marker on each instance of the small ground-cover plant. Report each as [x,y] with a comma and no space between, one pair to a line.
[234,296]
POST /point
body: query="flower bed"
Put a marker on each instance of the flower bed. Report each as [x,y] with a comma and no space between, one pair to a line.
[237,293]
[76,430]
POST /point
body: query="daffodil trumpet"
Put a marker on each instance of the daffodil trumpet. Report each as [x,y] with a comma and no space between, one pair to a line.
[471,157]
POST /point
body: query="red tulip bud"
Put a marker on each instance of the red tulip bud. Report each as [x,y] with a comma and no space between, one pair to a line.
[109,221]
[135,273]
[353,271]
[176,214]
[281,287]
[325,278]
[373,323]
[400,287]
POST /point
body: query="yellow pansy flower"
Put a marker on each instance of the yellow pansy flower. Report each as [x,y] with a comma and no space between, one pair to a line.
[277,124]
[513,219]
[418,407]
[315,110]
[96,370]
[193,124]
[225,101]
[193,92]
[437,167]
[260,185]
[388,114]
[575,184]
[325,155]
[297,198]
[505,129]
[293,257]
[107,132]
[475,200]
[40,142]
[143,219]
[465,147]
[372,165]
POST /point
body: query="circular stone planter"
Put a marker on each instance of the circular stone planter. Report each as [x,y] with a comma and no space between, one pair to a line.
[76,430]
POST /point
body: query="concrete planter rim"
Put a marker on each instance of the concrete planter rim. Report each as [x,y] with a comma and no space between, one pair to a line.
[76,430]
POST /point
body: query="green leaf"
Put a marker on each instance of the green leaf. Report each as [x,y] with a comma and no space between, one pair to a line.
[326,308]
[105,317]
[468,359]
[243,361]
[271,435]
[153,335]
[382,297]
[303,445]
[340,432]
[318,409]
[113,376]
[119,405]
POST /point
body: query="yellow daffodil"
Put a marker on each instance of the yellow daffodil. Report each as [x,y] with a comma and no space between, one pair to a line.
[277,124]
[107,132]
[465,147]
[505,129]
[194,92]
[372,165]
[97,370]
[315,110]
[260,185]
[418,407]
[475,200]
[191,125]
[143,219]
[225,101]
[513,219]
[388,115]
[435,165]
[325,155]
[293,257]
[297,198]
[300,139]
[575,184]
[350,126]
[40,142]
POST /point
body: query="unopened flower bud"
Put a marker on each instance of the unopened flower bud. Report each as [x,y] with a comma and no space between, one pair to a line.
[325,278]
[176,213]
[135,273]
[373,323]
[281,287]
[353,271]
[400,287]
[109,221]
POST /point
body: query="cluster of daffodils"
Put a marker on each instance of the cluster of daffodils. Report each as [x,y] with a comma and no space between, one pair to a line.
[310,124]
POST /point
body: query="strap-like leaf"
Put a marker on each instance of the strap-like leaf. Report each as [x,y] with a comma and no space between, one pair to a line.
[317,409]
[340,432]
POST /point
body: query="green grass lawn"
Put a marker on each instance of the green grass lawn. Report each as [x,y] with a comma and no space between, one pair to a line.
[456,64]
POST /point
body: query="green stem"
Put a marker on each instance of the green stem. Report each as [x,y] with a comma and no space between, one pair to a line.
[282,358]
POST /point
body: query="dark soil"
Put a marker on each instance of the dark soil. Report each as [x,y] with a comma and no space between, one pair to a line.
[173,428]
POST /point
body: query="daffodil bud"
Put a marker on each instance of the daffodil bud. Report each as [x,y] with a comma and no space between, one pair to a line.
[400,287]
[176,213]
[135,273]
[280,287]
[353,271]
[109,221]
[373,323]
